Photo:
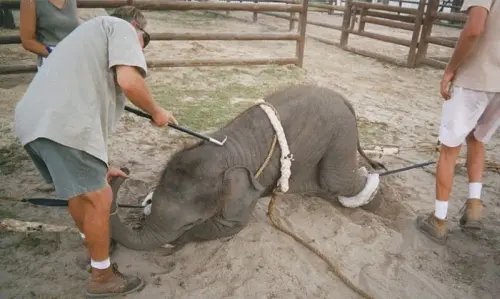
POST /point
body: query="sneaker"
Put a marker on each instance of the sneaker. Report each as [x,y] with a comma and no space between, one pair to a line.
[433,227]
[472,212]
[111,282]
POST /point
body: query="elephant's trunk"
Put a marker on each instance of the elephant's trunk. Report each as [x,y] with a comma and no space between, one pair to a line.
[150,237]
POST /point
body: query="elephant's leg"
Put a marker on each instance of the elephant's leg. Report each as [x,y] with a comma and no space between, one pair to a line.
[339,173]
[229,221]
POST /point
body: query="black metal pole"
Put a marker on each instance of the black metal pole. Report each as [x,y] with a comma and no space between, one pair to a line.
[407,168]
[145,115]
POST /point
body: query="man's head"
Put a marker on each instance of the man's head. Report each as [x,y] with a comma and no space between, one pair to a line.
[136,18]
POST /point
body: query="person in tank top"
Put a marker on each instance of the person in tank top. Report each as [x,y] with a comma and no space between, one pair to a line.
[44,23]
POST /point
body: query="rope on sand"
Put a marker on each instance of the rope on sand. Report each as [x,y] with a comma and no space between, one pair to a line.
[285,160]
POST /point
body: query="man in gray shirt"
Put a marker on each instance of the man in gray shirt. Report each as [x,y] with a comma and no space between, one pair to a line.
[66,115]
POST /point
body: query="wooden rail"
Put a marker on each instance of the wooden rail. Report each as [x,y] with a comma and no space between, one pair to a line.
[15,39]
[388,23]
[18,68]
[289,6]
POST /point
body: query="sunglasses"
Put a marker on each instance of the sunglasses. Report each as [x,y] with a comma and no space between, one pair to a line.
[146,38]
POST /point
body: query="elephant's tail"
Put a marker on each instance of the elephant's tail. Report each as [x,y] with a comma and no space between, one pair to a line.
[374,164]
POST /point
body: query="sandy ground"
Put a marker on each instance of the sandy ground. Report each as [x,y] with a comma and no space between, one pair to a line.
[381,252]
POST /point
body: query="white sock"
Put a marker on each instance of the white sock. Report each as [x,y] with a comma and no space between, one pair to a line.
[100,265]
[82,235]
[441,209]
[475,190]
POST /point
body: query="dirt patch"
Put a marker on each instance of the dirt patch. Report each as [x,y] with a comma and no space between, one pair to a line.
[379,249]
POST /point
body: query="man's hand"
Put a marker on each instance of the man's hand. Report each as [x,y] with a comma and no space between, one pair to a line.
[114,172]
[161,117]
[446,81]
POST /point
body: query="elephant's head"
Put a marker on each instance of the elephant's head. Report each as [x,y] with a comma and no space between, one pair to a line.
[196,183]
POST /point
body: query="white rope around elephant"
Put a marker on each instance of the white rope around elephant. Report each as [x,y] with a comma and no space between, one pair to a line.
[286,157]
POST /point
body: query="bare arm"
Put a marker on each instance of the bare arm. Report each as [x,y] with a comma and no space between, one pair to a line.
[135,89]
[28,28]
[469,36]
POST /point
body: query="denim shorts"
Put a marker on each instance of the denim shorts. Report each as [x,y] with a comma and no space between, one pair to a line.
[73,172]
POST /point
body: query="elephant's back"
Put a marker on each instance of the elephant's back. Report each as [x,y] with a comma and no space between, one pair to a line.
[307,98]
[315,105]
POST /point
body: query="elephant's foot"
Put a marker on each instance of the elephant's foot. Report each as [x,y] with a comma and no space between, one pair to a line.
[366,195]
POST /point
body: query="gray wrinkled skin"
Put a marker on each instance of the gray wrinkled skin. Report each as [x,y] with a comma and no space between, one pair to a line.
[208,192]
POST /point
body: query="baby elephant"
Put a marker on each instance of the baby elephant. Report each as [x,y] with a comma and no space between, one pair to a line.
[208,191]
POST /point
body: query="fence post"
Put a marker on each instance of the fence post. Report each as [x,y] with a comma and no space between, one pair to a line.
[292,16]
[255,13]
[412,54]
[300,45]
[345,24]
[362,14]
[432,7]
[292,22]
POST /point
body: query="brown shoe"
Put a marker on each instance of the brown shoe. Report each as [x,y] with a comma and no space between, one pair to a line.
[472,212]
[110,282]
[433,227]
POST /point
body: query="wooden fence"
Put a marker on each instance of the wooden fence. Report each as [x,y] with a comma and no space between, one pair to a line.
[431,15]
[412,21]
[298,37]
[419,21]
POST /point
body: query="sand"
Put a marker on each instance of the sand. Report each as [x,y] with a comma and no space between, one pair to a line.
[380,251]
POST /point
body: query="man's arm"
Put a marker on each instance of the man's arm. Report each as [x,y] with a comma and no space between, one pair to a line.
[469,36]
[127,59]
[135,89]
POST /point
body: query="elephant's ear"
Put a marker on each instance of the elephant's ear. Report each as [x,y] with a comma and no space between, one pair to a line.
[240,179]
[240,192]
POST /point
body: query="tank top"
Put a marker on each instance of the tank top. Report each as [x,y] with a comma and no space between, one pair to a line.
[54,24]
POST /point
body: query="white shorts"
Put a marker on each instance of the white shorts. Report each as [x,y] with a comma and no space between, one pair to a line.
[469,110]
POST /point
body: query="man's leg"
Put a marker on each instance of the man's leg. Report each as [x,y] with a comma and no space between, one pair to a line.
[81,178]
[473,208]
[96,224]
[434,225]
[78,210]
[460,115]
[44,171]
[487,125]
